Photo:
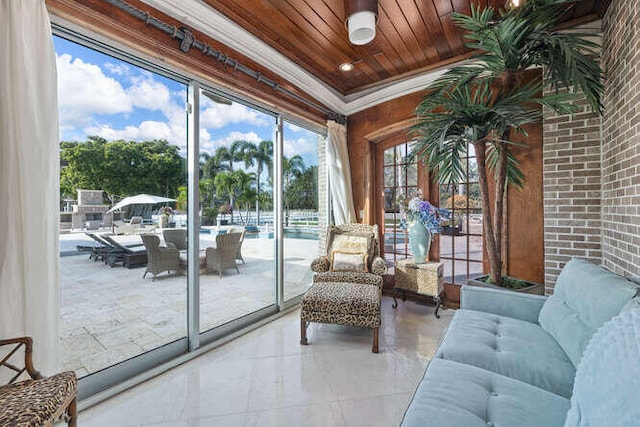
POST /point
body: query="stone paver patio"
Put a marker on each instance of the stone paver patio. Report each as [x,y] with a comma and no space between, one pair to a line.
[109,315]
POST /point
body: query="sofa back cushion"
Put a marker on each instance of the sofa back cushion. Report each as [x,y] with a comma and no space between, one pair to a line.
[605,390]
[585,297]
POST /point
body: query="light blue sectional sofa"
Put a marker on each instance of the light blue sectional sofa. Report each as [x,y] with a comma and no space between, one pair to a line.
[518,360]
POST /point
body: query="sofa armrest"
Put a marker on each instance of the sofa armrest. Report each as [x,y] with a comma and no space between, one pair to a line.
[517,305]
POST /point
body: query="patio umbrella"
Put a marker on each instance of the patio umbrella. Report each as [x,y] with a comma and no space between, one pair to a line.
[140,199]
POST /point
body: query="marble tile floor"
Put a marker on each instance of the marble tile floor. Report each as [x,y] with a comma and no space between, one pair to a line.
[112,314]
[266,378]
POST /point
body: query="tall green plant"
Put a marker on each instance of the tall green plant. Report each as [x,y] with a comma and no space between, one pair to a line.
[485,103]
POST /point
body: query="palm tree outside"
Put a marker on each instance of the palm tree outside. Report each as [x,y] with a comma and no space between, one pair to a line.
[292,167]
[260,155]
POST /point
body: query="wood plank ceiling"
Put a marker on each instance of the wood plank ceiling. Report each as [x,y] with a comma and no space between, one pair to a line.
[413,36]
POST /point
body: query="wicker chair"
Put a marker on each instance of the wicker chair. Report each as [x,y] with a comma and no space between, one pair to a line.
[160,258]
[36,401]
[176,238]
[223,256]
[239,247]
[347,290]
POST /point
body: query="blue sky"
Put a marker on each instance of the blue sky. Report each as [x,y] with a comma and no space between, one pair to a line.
[104,96]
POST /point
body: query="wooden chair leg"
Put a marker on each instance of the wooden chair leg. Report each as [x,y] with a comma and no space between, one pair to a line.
[72,411]
[375,340]
[303,332]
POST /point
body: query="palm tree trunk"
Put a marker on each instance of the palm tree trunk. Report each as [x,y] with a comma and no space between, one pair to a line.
[489,236]
[259,172]
[498,214]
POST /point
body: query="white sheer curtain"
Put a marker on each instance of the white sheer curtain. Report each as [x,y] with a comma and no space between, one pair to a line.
[29,163]
[339,174]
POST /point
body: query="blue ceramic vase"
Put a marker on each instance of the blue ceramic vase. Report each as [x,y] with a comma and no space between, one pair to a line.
[420,240]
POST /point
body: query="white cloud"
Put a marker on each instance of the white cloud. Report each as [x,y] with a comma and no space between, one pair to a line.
[217,116]
[117,69]
[292,127]
[84,90]
[305,148]
[147,130]
[226,141]
[149,94]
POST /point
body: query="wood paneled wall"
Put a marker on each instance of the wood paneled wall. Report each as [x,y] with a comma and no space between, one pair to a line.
[525,255]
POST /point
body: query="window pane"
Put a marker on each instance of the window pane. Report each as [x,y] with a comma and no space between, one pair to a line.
[302,151]
[236,197]
[389,176]
[123,134]
[412,175]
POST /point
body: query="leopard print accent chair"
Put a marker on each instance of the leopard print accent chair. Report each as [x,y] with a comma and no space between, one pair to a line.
[37,401]
[376,264]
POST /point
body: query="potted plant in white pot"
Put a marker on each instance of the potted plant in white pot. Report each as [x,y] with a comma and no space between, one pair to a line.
[487,102]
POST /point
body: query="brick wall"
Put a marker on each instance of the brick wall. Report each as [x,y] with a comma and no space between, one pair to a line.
[621,139]
[571,180]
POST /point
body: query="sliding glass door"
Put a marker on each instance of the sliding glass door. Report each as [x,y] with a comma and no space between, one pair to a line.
[301,167]
[237,210]
[186,212]
[122,151]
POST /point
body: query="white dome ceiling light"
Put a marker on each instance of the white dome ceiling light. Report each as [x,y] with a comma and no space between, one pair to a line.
[361,20]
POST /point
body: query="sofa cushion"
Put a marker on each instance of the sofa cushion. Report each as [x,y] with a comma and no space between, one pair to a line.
[454,394]
[607,382]
[584,298]
[510,347]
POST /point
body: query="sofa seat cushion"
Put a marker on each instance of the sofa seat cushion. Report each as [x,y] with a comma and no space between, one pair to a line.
[454,394]
[510,347]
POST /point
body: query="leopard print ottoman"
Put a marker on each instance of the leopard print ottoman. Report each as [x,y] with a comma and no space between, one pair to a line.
[342,303]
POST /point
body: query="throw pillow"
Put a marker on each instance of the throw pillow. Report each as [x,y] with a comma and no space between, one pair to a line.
[349,261]
[352,242]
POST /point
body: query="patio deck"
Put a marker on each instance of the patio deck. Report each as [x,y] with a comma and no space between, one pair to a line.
[109,315]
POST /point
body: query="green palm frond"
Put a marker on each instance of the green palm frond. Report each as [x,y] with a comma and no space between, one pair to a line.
[515,176]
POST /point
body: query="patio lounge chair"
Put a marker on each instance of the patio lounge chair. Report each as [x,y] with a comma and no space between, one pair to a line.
[118,251]
[223,256]
[100,247]
[160,258]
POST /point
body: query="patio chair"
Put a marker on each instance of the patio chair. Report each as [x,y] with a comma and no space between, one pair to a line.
[119,251]
[223,256]
[239,248]
[160,258]
[175,238]
[36,400]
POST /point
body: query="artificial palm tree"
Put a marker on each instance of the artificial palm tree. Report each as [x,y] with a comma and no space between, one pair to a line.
[485,103]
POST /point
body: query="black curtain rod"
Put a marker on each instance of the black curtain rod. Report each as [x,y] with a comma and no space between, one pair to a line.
[187,41]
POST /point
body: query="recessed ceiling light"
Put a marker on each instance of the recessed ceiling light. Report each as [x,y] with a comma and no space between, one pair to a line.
[347,66]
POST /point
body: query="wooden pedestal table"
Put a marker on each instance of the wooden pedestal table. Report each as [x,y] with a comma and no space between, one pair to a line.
[419,279]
